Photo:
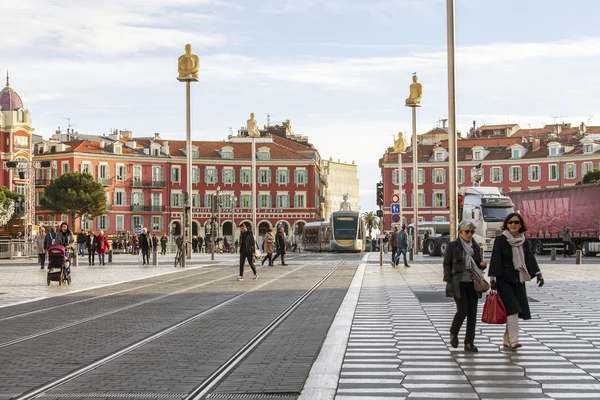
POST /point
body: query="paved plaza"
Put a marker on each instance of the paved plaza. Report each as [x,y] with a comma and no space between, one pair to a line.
[326,326]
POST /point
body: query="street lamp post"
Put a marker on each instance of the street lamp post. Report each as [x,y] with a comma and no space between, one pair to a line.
[219,212]
[452,139]
[414,101]
[233,203]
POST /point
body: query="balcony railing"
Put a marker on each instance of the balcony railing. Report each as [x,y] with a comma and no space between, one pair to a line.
[139,208]
[150,184]
[105,181]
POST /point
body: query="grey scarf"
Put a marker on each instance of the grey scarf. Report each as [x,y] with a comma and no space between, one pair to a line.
[469,253]
[518,255]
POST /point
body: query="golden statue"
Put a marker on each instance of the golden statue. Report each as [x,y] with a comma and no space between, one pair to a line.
[252,127]
[400,144]
[416,91]
[188,64]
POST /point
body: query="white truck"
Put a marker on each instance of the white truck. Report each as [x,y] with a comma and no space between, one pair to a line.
[486,207]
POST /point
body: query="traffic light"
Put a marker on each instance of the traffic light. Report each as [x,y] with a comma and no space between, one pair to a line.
[379,213]
[380,194]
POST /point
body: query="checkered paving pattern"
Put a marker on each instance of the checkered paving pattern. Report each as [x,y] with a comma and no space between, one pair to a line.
[399,343]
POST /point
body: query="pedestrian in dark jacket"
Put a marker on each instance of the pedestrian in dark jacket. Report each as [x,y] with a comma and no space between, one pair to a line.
[512,264]
[163,244]
[81,239]
[145,245]
[247,249]
[394,244]
[50,238]
[280,247]
[402,247]
[200,243]
[462,256]
[92,245]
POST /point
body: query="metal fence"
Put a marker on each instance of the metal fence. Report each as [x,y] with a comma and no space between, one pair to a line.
[13,249]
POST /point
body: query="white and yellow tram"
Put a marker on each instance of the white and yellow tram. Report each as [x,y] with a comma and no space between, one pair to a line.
[344,232]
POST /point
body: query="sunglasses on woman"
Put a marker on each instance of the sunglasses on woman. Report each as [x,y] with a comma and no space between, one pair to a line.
[469,232]
[513,223]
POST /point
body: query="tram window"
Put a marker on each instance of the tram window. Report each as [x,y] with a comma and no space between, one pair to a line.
[311,236]
[344,228]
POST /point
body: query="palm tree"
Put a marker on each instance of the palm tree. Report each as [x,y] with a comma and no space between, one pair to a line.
[371,221]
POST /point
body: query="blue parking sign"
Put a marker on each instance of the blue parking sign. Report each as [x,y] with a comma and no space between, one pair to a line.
[395,208]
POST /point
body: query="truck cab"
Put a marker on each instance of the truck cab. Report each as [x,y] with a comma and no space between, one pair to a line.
[486,207]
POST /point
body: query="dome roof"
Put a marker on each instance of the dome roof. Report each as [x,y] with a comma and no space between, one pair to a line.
[9,99]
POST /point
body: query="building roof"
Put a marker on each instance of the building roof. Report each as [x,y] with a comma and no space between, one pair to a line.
[485,142]
[490,127]
[9,99]
[536,132]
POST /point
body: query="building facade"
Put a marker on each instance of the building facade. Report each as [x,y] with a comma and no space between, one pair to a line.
[145,180]
[342,180]
[525,160]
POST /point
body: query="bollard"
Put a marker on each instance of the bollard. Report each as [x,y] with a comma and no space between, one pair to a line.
[578,257]
[410,254]
[154,256]
[10,249]
[110,256]
[553,257]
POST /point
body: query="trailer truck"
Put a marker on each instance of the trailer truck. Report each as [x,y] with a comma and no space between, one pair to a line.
[486,207]
[548,211]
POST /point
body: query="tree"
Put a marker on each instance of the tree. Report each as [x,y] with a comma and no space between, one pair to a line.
[371,221]
[592,177]
[7,205]
[75,194]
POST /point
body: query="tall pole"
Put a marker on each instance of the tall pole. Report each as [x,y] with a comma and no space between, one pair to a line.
[415,183]
[254,204]
[219,212]
[188,159]
[400,185]
[452,139]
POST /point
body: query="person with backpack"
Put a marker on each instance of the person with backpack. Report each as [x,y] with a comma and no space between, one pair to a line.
[402,246]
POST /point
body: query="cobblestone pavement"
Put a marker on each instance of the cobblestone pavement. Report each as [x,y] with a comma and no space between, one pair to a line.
[222,314]
[399,348]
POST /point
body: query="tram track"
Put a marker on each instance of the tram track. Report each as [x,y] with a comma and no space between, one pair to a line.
[205,386]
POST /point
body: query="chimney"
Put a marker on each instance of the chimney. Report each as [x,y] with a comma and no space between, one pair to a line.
[535,144]
[156,136]
[102,144]
[165,147]
[444,124]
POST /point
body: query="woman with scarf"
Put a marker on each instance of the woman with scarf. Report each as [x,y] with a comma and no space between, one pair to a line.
[462,258]
[512,264]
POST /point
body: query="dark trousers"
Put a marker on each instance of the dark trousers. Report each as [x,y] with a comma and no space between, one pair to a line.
[42,259]
[394,250]
[268,257]
[91,255]
[277,255]
[466,307]
[146,256]
[243,258]
[163,249]
[566,248]
[398,252]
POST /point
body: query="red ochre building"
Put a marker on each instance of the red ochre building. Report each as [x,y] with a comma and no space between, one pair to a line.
[512,159]
[145,177]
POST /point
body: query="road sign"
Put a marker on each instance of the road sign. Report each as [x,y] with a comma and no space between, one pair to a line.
[395,198]
[395,208]
[395,218]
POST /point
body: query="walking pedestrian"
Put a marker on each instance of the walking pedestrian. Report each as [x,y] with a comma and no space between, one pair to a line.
[461,257]
[50,238]
[280,246]
[40,243]
[512,264]
[394,244]
[269,246]
[91,245]
[566,237]
[163,244]
[402,246]
[81,238]
[65,238]
[102,247]
[145,243]
[194,244]
[247,249]
[200,243]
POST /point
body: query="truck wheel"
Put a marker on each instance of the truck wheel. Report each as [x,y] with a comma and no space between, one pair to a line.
[585,249]
[430,247]
[537,247]
[443,246]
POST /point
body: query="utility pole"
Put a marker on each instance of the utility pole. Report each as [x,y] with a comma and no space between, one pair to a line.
[452,140]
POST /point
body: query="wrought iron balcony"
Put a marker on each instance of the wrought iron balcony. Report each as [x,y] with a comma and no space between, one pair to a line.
[142,208]
[148,184]
[105,181]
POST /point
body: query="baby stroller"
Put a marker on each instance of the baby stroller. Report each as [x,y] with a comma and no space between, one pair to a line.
[59,265]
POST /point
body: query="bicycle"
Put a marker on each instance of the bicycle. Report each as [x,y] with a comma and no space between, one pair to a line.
[181,252]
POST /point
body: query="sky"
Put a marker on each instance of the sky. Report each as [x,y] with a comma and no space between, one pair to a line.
[339,70]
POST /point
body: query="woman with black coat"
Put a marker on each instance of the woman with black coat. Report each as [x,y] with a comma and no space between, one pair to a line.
[512,264]
[462,255]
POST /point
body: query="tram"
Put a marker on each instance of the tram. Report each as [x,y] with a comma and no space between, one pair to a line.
[344,232]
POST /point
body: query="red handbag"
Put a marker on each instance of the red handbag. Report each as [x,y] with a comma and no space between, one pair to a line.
[493,309]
